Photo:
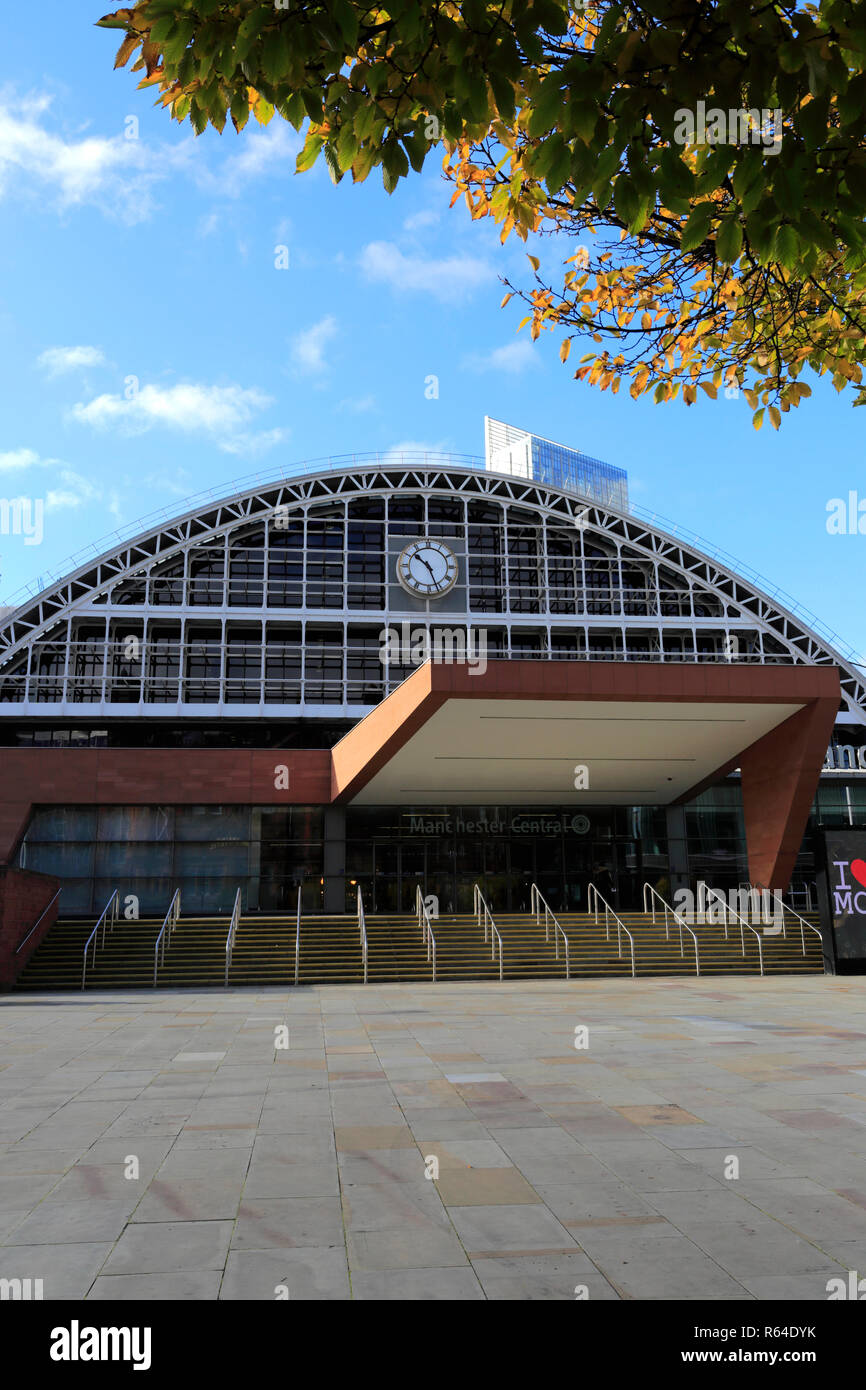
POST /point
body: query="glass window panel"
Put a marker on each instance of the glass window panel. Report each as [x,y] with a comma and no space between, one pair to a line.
[212,823]
[136,822]
[51,823]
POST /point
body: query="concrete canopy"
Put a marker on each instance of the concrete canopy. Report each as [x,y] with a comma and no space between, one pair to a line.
[646,733]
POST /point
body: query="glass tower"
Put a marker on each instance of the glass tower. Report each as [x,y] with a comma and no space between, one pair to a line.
[510,450]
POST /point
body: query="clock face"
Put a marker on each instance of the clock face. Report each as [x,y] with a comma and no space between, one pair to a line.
[427,569]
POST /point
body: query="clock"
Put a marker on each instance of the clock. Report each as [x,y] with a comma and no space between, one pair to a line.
[427,569]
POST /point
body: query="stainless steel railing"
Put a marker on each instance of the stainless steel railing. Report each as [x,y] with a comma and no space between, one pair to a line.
[298,935]
[484,917]
[744,925]
[536,902]
[426,928]
[230,939]
[785,907]
[362,929]
[172,917]
[107,918]
[680,921]
[46,908]
[594,897]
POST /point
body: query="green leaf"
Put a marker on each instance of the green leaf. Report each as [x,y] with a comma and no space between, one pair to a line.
[811,121]
[786,247]
[333,163]
[697,227]
[546,106]
[605,168]
[309,154]
[791,56]
[729,241]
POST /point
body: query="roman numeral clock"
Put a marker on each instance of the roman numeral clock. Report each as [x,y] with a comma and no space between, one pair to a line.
[427,569]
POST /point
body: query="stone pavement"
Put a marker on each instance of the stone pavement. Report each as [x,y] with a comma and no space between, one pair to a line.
[162,1145]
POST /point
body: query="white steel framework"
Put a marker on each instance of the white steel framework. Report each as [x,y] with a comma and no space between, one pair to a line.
[272,602]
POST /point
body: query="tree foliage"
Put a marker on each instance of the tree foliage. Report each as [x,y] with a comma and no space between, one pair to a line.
[699,253]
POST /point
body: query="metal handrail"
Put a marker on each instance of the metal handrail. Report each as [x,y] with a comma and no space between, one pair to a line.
[483,916]
[362,927]
[593,895]
[230,939]
[803,923]
[171,920]
[426,928]
[536,902]
[22,944]
[298,935]
[681,922]
[111,906]
[757,891]
[711,892]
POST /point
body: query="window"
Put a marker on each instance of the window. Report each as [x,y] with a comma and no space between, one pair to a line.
[283,659]
[247,569]
[163,663]
[203,663]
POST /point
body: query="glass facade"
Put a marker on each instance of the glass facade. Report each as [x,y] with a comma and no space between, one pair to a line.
[566,468]
[510,450]
[211,851]
[206,851]
[504,848]
[257,628]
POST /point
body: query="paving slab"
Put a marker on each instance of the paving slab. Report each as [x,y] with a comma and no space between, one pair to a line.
[561,1174]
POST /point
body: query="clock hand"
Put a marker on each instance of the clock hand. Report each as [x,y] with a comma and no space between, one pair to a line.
[427,567]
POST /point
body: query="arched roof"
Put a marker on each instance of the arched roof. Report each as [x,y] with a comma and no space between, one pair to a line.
[632,533]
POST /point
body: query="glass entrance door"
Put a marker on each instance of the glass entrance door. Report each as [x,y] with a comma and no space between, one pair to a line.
[385,888]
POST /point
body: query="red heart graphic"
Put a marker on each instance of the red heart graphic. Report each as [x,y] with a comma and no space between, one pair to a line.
[858,869]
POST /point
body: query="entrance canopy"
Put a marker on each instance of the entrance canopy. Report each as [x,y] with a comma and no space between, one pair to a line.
[561,733]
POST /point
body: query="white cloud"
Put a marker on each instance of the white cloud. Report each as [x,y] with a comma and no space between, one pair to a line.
[71,488]
[120,175]
[20,458]
[308,347]
[427,217]
[251,445]
[449,278]
[188,407]
[58,360]
[412,448]
[112,172]
[264,150]
[221,412]
[74,491]
[512,358]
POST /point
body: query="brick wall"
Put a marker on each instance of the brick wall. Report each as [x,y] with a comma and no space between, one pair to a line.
[152,777]
[23,896]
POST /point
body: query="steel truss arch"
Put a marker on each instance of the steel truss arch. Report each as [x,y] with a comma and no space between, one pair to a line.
[85,592]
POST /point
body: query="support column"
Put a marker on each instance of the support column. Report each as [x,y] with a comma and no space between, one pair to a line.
[678,849]
[780,775]
[335,860]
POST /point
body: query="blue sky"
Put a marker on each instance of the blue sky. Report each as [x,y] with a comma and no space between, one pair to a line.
[156,257]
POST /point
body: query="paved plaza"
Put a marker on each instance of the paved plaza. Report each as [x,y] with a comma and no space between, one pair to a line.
[168,1145]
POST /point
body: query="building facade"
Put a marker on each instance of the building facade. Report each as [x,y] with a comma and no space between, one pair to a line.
[206,705]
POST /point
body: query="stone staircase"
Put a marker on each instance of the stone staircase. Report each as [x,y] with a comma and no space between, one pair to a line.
[330,951]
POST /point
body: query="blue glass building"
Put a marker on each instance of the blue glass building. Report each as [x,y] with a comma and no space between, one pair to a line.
[510,450]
